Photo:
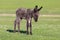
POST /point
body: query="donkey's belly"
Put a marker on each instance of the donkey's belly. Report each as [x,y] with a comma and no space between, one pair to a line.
[23,16]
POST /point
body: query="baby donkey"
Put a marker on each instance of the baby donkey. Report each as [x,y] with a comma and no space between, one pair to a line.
[28,14]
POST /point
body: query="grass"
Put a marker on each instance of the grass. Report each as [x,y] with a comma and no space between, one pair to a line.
[47,28]
[49,6]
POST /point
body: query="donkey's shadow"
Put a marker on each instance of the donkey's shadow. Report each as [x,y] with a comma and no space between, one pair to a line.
[21,31]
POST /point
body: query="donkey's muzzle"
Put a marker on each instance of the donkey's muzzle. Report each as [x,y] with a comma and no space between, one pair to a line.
[36,19]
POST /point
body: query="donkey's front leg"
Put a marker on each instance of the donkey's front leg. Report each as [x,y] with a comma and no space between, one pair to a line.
[27,26]
[30,28]
[30,25]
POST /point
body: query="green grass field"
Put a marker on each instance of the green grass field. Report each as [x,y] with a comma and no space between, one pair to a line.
[47,28]
[49,6]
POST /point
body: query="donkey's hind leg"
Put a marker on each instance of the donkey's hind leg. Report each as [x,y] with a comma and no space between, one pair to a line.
[27,27]
[17,22]
[18,25]
[30,28]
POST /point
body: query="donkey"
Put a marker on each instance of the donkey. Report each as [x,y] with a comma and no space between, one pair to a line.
[28,14]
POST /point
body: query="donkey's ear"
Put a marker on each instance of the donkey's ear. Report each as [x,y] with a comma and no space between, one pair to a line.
[36,6]
[40,8]
[35,9]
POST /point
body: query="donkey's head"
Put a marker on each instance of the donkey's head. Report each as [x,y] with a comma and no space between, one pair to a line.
[36,12]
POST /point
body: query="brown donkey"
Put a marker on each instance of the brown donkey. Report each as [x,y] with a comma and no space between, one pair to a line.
[28,14]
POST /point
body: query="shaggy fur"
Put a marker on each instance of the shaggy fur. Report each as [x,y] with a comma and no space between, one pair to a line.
[28,14]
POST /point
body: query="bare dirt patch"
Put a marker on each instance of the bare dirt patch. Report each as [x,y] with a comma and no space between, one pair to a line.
[7,15]
[40,15]
[49,15]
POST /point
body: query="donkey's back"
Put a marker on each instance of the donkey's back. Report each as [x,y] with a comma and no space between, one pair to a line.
[23,12]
